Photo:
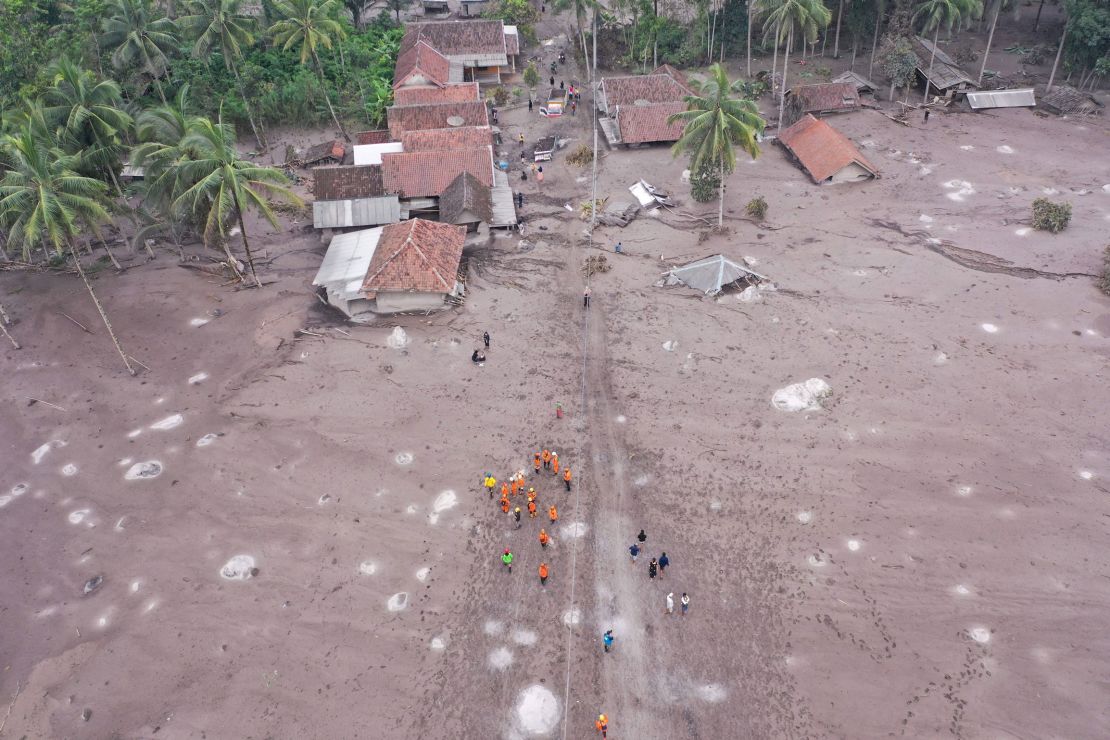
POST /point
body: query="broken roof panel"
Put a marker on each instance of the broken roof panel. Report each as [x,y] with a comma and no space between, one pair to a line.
[821,150]
[1019,98]
[710,274]
[415,256]
[333,149]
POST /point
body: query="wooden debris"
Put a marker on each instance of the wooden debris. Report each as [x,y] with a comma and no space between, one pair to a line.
[83,327]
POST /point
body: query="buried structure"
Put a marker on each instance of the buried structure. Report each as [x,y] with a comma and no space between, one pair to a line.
[409,266]
[711,275]
[825,153]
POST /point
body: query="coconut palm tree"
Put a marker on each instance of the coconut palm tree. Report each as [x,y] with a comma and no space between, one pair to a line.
[44,203]
[808,17]
[310,24]
[947,13]
[88,118]
[990,36]
[139,36]
[223,186]
[220,24]
[717,119]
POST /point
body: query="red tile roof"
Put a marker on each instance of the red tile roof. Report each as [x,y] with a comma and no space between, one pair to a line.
[430,95]
[512,44]
[343,183]
[458,37]
[419,117]
[447,139]
[820,149]
[421,60]
[666,69]
[660,88]
[415,256]
[426,174]
[640,124]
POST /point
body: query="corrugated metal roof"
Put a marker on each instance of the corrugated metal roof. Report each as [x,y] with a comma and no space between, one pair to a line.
[1021,98]
[372,153]
[945,72]
[348,258]
[336,214]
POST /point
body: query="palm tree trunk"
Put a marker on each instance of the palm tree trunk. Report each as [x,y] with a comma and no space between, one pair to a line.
[932,57]
[1059,51]
[585,49]
[775,61]
[250,112]
[875,45]
[836,43]
[785,65]
[327,97]
[100,308]
[243,233]
[1037,23]
[990,38]
[749,39]
[721,198]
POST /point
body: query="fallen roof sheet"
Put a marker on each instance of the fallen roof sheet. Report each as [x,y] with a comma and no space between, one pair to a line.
[709,274]
[1020,98]
[820,149]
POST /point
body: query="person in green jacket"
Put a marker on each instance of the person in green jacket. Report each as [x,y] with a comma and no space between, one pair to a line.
[507,559]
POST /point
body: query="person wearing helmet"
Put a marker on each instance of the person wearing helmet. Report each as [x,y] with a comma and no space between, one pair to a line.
[553,514]
[602,725]
[566,478]
[536,463]
[507,559]
[543,574]
[544,539]
[505,505]
[555,463]
[532,509]
[531,494]
[546,457]
[516,515]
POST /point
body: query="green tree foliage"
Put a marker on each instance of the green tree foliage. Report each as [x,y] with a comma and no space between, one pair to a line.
[222,186]
[785,18]
[947,13]
[1087,45]
[519,13]
[716,121]
[531,75]
[705,184]
[309,25]
[897,61]
[139,39]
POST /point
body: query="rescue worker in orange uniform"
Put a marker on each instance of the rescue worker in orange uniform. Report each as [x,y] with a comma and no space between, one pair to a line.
[602,725]
[544,539]
[543,574]
[532,509]
[531,494]
[536,463]
[555,462]
[546,459]
[515,486]
[505,505]
[566,478]
[504,490]
[553,513]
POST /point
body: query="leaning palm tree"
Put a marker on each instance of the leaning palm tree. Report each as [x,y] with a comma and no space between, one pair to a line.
[139,36]
[44,203]
[947,13]
[220,24]
[88,119]
[225,186]
[807,17]
[310,24]
[716,120]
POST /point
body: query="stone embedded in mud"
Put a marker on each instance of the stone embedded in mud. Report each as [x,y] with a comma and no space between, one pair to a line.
[144,470]
[807,396]
[537,710]
[398,339]
[239,568]
[93,584]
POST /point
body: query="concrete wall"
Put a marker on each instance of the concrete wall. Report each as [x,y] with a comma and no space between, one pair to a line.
[397,302]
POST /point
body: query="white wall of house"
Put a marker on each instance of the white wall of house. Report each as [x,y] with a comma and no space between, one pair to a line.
[851,173]
[389,302]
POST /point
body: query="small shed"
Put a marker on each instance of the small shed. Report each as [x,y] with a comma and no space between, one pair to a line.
[466,202]
[436,7]
[326,152]
[710,275]
[939,70]
[825,153]
[1065,100]
[410,266]
[863,85]
[1018,98]
[473,8]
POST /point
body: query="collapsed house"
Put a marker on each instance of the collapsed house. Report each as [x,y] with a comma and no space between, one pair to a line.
[820,99]
[710,275]
[409,266]
[863,85]
[1064,100]
[825,153]
[943,75]
[636,108]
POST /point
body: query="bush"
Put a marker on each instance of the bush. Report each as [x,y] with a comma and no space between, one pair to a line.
[1049,216]
[581,156]
[705,185]
[757,207]
[531,75]
[499,95]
